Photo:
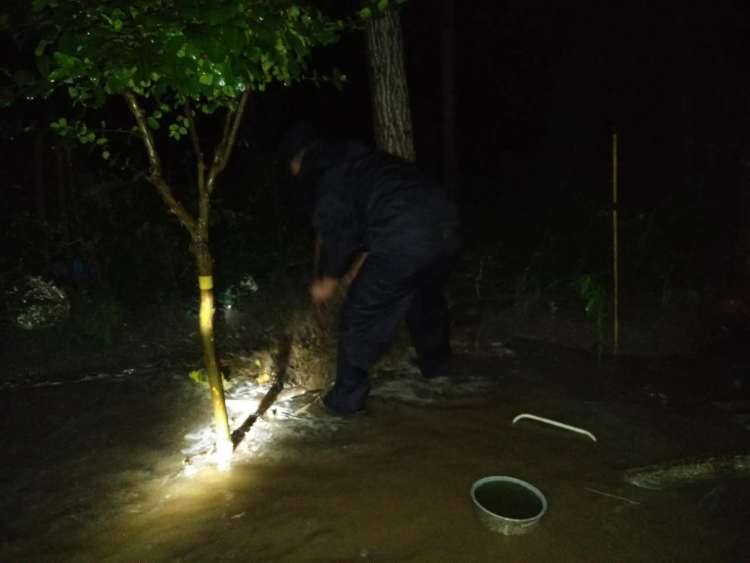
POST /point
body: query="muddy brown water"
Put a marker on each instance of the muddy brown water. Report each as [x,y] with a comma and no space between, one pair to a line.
[92,472]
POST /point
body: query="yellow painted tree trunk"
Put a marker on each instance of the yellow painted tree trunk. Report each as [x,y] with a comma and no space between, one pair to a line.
[197,227]
[204,264]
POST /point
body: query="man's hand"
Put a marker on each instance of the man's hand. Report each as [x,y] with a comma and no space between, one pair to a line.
[323,289]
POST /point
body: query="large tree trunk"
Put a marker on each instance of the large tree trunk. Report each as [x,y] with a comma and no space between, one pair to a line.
[389,90]
[448,71]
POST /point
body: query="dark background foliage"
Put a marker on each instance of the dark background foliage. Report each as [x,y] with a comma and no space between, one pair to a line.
[541,87]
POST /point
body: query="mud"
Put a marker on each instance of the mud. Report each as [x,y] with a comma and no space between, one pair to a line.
[97,470]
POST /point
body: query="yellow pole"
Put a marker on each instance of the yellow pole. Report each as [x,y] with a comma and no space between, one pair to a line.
[615,253]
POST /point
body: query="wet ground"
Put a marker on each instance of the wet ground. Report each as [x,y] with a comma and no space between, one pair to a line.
[113,467]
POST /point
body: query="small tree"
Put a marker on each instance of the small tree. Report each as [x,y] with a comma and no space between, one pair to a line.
[169,61]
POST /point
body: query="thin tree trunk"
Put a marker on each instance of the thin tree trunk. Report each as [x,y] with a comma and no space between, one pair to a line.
[448,71]
[743,242]
[389,89]
[198,229]
[204,264]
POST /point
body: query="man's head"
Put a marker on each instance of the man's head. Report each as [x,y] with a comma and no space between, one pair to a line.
[294,144]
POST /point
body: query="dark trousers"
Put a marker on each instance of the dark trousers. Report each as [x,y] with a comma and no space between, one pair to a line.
[405,284]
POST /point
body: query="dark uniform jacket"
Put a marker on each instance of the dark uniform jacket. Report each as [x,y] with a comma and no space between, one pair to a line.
[371,201]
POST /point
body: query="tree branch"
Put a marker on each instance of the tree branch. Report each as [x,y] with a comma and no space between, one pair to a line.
[155,175]
[200,161]
[228,140]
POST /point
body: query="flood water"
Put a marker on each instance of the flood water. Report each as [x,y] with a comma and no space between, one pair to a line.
[96,471]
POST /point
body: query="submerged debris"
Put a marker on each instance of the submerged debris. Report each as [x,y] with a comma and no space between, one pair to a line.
[688,472]
[37,303]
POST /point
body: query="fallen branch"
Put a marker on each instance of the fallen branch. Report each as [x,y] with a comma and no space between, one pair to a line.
[282,365]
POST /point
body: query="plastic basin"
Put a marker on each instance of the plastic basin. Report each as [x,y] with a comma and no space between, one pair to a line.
[507,505]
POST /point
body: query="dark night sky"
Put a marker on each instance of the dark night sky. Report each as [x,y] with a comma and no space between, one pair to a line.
[542,84]
[538,79]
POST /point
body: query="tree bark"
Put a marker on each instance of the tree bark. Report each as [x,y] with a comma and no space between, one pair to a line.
[392,121]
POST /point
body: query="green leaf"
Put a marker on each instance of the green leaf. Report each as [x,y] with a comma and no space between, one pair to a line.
[198,375]
[365,13]
[164,51]
[39,51]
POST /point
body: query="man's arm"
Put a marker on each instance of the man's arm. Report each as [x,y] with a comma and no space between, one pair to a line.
[323,289]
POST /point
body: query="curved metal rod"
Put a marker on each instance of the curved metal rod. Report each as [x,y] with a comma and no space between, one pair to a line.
[555,423]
